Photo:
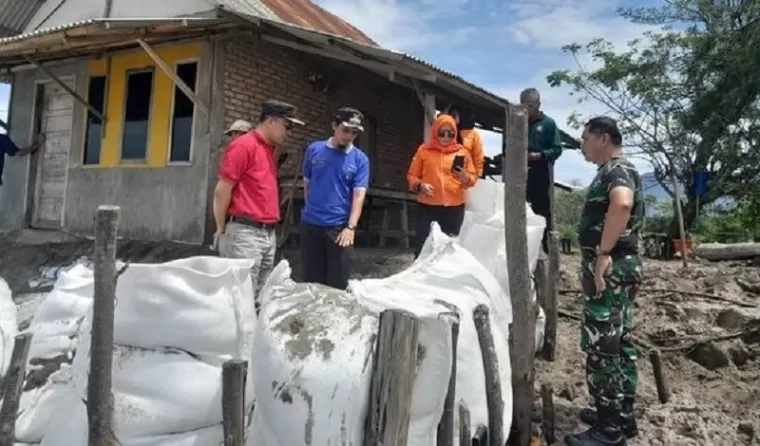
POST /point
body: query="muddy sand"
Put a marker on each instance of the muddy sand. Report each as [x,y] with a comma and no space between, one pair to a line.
[715,385]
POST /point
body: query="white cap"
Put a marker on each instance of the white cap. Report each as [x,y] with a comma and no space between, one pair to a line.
[239,126]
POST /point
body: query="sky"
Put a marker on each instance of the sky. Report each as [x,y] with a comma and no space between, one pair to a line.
[502,46]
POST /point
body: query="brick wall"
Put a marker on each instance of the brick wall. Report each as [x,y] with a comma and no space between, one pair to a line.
[256,71]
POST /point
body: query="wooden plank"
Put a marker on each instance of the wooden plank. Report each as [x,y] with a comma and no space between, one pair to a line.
[552,298]
[522,329]
[465,434]
[547,408]
[540,279]
[68,89]
[663,389]
[234,373]
[99,398]
[405,224]
[12,387]
[178,82]
[494,399]
[445,434]
[393,375]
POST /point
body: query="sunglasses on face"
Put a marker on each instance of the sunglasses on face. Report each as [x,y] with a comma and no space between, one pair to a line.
[445,133]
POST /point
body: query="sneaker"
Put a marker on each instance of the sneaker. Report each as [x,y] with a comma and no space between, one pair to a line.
[630,429]
[595,437]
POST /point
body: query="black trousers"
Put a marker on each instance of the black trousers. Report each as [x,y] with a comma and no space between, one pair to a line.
[449,218]
[323,260]
[538,191]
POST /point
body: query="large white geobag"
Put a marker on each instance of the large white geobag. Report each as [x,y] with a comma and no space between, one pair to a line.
[55,328]
[315,347]
[8,326]
[483,234]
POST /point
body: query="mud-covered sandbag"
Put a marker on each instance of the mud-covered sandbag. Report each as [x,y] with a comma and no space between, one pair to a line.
[8,326]
[315,348]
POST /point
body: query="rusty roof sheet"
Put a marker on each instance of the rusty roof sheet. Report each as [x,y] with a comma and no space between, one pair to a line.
[307,14]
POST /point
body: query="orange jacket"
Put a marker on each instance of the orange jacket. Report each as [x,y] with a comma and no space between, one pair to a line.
[474,144]
[432,165]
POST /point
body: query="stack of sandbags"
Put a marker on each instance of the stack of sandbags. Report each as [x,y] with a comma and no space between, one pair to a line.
[483,234]
[315,346]
[175,324]
[8,326]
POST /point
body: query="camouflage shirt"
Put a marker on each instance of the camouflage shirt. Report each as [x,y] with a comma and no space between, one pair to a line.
[615,172]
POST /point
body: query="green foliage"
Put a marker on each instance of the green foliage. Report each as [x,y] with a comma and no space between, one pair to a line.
[568,206]
[686,96]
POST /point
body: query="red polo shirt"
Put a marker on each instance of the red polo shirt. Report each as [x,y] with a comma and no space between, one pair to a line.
[249,163]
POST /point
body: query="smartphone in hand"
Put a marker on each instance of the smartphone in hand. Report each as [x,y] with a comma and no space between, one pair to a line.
[458,163]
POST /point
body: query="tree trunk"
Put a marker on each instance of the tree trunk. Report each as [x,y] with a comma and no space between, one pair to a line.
[690,213]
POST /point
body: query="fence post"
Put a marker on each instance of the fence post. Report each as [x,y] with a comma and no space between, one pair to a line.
[445,435]
[393,376]
[550,305]
[234,374]
[12,388]
[99,396]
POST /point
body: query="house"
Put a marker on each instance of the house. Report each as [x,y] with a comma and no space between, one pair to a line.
[134,96]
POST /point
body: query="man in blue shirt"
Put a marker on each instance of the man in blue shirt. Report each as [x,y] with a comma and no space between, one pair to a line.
[8,147]
[336,177]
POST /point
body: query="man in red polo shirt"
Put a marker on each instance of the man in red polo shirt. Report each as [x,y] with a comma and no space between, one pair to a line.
[246,199]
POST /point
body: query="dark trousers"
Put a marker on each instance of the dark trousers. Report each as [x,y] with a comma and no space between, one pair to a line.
[323,260]
[539,190]
[449,218]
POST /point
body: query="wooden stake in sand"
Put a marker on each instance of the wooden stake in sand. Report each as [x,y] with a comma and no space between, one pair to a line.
[552,293]
[234,373]
[493,381]
[12,388]
[445,435]
[547,407]
[392,383]
[663,390]
[465,434]
[99,398]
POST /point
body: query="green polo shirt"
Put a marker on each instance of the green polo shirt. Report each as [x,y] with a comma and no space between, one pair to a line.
[543,138]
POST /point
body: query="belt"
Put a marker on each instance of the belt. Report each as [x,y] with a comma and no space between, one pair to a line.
[248,222]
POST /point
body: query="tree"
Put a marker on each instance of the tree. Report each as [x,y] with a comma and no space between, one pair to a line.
[686,97]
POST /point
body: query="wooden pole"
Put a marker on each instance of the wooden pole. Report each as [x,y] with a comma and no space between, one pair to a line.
[234,373]
[445,435]
[540,278]
[663,390]
[12,388]
[522,330]
[681,226]
[493,381]
[552,297]
[547,407]
[99,397]
[393,376]
[465,433]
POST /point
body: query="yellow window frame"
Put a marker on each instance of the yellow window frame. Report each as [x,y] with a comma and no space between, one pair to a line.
[162,103]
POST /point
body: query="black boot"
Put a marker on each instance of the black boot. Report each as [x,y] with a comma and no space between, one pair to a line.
[595,436]
[630,429]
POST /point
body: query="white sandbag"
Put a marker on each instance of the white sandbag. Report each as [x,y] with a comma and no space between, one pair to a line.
[160,391]
[57,320]
[449,277]
[485,197]
[199,304]
[315,348]
[70,429]
[8,326]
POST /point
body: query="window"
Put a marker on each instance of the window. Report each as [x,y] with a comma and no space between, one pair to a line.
[134,140]
[368,143]
[182,115]
[93,137]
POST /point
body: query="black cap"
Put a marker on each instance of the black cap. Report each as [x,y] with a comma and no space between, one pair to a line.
[275,108]
[349,117]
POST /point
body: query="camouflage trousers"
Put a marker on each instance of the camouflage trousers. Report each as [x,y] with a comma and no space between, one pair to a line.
[611,372]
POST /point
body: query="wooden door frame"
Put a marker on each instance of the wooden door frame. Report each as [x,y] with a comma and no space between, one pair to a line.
[39,86]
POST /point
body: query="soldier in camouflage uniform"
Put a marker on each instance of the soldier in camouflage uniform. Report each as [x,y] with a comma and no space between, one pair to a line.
[611,272]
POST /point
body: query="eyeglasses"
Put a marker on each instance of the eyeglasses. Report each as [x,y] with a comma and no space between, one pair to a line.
[446,133]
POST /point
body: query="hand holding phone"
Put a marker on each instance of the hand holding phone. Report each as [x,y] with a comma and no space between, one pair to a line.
[458,163]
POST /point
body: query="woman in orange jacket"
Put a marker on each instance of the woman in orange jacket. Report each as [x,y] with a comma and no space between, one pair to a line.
[440,172]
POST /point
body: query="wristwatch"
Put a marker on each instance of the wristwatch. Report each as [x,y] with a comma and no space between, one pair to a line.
[351,227]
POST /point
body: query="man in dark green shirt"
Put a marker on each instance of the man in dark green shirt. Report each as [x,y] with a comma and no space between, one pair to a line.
[611,273]
[544,147]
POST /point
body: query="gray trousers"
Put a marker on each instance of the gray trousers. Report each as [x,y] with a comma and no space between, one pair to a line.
[246,242]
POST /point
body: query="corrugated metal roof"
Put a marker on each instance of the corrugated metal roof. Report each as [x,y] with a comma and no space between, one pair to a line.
[43,31]
[250,7]
[15,14]
[308,14]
